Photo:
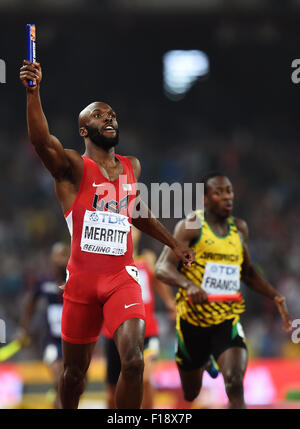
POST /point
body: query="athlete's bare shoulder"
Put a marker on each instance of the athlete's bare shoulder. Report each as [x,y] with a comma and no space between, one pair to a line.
[242,227]
[189,228]
[136,165]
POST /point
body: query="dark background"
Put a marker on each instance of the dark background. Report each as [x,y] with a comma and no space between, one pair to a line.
[241,119]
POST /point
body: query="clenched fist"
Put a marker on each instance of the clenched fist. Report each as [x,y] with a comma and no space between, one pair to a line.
[31,71]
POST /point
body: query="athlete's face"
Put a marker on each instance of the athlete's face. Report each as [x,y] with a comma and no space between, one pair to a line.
[219,197]
[100,125]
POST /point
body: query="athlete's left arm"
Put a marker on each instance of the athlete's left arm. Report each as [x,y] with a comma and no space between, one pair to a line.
[252,278]
[144,220]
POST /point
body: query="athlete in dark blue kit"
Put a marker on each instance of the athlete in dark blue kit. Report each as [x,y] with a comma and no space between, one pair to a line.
[48,289]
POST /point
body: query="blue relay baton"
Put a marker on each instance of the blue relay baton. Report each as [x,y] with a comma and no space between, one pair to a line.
[31,46]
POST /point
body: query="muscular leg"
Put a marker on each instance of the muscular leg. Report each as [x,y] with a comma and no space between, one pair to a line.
[72,382]
[191,382]
[113,369]
[129,340]
[56,370]
[232,363]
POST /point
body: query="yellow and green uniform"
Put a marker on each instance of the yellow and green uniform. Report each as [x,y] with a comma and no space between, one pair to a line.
[210,250]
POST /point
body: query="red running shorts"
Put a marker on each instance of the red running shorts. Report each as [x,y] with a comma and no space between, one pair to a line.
[90,298]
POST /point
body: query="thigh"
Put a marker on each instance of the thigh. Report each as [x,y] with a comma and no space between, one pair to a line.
[81,323]
[129,338]
[113,364]
[228,335]
[124,302]
[82,315]
[233,362]
[193,346]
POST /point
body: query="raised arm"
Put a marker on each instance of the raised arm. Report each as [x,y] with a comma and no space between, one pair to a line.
[166,267]
[255,281]
[57,160]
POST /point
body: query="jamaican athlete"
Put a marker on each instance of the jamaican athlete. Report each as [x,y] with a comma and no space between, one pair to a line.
[209,300]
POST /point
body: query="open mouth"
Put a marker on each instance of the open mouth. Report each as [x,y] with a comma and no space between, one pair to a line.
[109,129]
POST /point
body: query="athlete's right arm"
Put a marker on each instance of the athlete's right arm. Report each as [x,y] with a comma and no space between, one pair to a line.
[166,267]
[47,146]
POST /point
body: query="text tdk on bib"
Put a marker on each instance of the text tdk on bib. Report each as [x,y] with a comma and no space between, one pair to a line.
[223,279]
[104,233]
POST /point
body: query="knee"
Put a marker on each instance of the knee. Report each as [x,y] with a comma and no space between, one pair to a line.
[190,396]
[234,384]
[191,393]
[133,366]
[74,377]
[191,387]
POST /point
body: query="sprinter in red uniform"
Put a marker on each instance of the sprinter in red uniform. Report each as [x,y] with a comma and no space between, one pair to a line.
[98,196]
[145,263]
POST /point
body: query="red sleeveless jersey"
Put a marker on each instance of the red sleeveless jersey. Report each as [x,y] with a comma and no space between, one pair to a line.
[99,220]
[146,282]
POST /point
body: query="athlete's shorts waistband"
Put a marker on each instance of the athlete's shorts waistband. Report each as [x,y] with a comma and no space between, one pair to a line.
[99,272]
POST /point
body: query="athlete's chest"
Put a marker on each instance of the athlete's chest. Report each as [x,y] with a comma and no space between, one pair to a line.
[103,195]
[104,211]
[111,173]
[227,249]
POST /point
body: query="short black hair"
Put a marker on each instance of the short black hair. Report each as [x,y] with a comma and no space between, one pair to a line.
[209,176]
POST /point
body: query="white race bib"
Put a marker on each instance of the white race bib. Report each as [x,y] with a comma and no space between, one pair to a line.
[104,233]
[221,279]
